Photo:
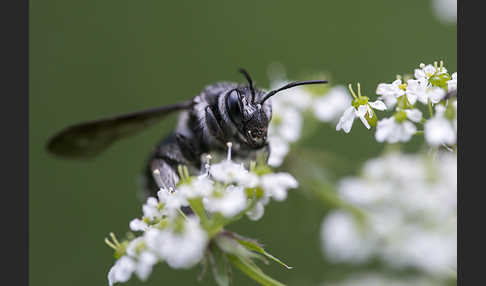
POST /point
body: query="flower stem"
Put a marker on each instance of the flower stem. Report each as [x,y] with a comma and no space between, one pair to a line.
[253,271]
[431,111]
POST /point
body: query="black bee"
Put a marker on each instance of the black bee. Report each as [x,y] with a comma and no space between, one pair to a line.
[222,112]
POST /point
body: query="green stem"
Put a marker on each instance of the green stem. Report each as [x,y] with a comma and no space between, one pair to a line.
[197,206]
[431,111]
[252,271]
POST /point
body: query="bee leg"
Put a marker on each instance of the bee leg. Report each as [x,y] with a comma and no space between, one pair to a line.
[213,125]
[188,149]
[163,174]
[167,178]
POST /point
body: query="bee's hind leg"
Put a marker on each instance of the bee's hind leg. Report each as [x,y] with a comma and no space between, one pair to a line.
[163,174]
[165,177]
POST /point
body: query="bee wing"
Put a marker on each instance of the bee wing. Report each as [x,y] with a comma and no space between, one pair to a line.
[88,139]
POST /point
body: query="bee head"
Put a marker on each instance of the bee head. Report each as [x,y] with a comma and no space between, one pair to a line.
[249,116]
[249,110]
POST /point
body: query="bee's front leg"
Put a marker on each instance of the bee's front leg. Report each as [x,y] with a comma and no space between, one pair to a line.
[213,125]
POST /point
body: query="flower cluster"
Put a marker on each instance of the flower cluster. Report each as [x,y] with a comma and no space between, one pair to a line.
[378,279]
[179,225]
[430,88]
[289,109]
[407,206]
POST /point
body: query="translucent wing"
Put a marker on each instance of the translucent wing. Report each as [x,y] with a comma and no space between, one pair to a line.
[91,138]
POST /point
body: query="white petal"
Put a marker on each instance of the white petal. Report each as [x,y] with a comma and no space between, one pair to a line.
[328,107]
[278,150]
[419,74]
[276,185]
[379,105]
[414,115]
[439,130]
[232,202]
[138,225]
[257,212]
[384,129]
[346,121]
[145,263]
[122,270]
[436,94]
[362,109]
[361,112]
[407,129]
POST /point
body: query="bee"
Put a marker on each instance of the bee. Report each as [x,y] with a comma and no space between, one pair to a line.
[222,112]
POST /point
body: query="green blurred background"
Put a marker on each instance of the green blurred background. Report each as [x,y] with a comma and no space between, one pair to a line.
[89,59]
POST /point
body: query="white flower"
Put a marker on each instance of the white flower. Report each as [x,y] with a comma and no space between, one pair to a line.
[229,172]
[286,123]
[408,205]
[138,225]
[173,201]
[452,83]
[347,119]
[328,107]
[417,89]
[414,115]
[150,209]
[420,90]
[354,191]
[229,202]
[438,130]
[276,185]
[381,279]
[278,150]
[435,94]
[199,187]
[392,131]
[182,248]
[427,71]
[342,240]
[122,270]
[145,259]
[445,10]
[390,92]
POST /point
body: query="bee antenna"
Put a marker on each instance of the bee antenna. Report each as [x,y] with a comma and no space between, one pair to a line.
[250,82]
[290,85]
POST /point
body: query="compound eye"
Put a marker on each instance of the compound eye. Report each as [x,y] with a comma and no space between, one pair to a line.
[233,104]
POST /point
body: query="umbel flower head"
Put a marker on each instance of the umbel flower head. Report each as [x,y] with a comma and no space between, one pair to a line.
[221,194]
[432,87]
[408,207]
